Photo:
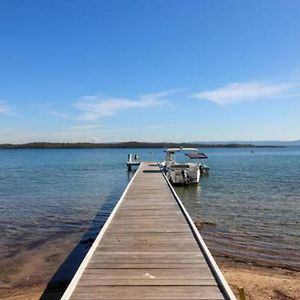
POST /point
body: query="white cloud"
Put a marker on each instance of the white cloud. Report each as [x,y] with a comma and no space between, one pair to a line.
[55,113]
[135,129]
[84,127]
[247,91]
[94,107]
[6,109]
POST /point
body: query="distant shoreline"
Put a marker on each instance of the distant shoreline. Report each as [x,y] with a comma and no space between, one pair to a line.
[125,145]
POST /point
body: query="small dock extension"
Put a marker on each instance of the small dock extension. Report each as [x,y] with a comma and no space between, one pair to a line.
[149,248]
[133,161]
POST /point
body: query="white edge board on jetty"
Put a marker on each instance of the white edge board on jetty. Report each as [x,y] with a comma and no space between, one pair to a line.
[71,287]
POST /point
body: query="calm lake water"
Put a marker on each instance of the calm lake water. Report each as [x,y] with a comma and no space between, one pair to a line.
[248,207]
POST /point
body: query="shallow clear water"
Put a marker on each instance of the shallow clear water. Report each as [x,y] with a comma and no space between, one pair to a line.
[249,204]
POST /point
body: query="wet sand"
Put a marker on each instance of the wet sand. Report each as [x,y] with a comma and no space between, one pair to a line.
[26,275]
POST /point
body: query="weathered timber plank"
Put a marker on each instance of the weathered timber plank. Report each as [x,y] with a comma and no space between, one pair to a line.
[152,254]
[105,260]
[124,265]
[142,248]
[146,282]
[145,273]
[149,292]
[148,238]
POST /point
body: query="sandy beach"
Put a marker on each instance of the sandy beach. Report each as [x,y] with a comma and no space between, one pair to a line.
[263,283]
[26,275]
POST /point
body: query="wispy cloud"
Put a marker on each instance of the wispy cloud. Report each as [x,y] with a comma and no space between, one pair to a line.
[55,113]
[6,109]
[84,127]
[94,107]
[247,91]
[155,126]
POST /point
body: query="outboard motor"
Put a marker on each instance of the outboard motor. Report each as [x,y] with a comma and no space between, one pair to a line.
[185,176]
[201,169]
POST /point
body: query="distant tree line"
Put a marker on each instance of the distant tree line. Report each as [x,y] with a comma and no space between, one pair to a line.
[131,144]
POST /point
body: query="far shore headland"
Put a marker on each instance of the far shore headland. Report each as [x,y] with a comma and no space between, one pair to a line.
[130,144]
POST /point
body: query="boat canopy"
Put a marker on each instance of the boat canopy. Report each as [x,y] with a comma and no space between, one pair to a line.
[180,149]
[196,155]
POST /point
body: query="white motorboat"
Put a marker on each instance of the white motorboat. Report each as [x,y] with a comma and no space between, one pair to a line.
[186,172]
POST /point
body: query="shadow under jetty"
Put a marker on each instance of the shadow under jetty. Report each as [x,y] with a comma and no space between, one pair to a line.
[62,277]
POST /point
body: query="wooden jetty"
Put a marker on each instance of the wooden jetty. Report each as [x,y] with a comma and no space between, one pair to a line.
[149,248]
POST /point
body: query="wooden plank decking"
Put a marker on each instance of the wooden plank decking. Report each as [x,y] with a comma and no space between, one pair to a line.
[147,250]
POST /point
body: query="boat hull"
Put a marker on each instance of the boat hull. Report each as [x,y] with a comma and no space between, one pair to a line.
[183,176]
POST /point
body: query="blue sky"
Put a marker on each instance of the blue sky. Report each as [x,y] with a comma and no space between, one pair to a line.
[149,70]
